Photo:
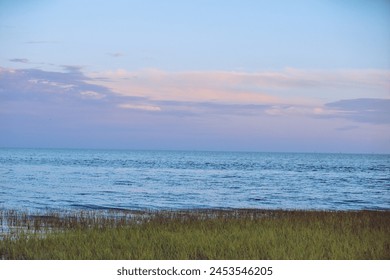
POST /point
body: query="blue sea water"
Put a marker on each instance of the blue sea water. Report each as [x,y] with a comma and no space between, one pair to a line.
[52,179]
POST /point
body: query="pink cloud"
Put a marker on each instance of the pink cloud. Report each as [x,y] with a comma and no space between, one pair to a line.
[290,86]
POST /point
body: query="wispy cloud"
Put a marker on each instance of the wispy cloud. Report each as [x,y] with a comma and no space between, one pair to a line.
[116,54]
[298,110]
[40,42]
[72,68]
[34,83]
[92,94]
[366,110]
[20,60]
[200,93]
[184,87]
[139,107]
[284,88]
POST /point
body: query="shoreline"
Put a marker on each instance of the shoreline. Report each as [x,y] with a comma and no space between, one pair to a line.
[168,213]
[25,218]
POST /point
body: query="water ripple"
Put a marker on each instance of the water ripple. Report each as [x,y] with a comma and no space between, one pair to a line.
[93,179]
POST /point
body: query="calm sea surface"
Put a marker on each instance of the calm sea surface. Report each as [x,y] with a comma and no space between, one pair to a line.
[40,179]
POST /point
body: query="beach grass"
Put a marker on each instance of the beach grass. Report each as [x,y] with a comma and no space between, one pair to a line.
[197,234]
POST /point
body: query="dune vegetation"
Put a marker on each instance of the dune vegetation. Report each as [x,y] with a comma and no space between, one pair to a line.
[196,234]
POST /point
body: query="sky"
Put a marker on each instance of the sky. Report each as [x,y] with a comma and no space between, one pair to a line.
[232,75]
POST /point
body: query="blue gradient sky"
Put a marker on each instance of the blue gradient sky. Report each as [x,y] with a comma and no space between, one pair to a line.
[310,76]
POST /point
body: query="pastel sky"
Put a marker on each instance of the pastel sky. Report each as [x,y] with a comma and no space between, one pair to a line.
[236,75]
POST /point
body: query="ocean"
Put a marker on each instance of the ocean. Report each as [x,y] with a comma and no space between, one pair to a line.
[65,179]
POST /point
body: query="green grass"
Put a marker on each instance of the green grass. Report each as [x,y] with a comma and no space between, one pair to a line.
[208,234]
